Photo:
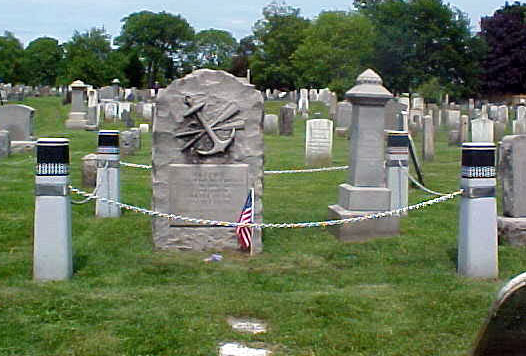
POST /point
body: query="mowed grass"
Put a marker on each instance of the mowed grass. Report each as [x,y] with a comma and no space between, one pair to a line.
[397,296]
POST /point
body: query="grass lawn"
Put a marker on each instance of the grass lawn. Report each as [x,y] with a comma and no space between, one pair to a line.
[398,296]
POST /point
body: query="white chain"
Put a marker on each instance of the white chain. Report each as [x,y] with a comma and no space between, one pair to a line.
[312,170]
[380,215]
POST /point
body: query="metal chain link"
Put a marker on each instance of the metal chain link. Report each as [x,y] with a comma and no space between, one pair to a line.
[312,170]
[326,223]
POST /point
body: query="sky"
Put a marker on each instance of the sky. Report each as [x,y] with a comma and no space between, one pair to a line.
[30,19]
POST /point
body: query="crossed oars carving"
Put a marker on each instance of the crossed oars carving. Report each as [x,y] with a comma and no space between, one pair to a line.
[210,126]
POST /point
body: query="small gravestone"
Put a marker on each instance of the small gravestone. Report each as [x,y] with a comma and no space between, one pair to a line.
[128,120]
[303,104]
[235,349]
[393,118]
[521,113]
[89,170]
[271,124]
[343,115]
[493,112]
[77,118]
[500,128]
[18,120]
[124,107]
[286,120]
[464,128]
[106,93]
[5,143]
[504,332]
[136,137]
[127,143]
[453,138]
[111,110]
[313,95]
[148,111]
[482,130]
[318,143]
[453,119]
[519,127]
[428,147]
[502,114]
[207,154]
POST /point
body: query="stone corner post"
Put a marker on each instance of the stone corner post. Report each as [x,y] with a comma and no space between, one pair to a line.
[108,174]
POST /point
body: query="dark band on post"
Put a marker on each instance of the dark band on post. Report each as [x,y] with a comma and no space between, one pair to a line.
[478,160]
[52,157]
[108,142]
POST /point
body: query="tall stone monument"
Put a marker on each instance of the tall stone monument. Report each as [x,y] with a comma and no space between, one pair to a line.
[77,118]
[365,191]
[207,154]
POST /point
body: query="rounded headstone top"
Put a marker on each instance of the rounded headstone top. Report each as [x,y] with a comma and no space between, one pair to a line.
[115,81]
[369,77]
[78,84]
[369,88]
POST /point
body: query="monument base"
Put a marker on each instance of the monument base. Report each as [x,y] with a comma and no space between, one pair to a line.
[341,132]
[76,121]
[512,230]
[364,230]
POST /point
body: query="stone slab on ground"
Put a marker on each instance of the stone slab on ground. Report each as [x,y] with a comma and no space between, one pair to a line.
[244,325]
[235,349]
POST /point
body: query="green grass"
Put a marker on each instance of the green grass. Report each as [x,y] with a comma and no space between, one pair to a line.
[398,296]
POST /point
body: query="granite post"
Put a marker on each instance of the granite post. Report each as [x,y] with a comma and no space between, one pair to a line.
[397,167]
[477,238]
[108,174]
[52,247]
[365,191]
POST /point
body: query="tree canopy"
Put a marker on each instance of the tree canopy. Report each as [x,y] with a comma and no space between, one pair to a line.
[41,61]
[11,51]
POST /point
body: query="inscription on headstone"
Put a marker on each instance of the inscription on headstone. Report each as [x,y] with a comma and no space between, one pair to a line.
[318,145]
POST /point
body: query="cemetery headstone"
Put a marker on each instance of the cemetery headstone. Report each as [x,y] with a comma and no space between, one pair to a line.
[512,172]
[89,170]
[502,114]
[343,115]
[318,143]
[428,147]
[365,190]
[393,115]
[271,124]
[303,104]
[128,120]
[453,119]
[482,129]
[313,95]
[464,128]
[5,143]
[18,120]
[77,118]
[207,154]
[127,143]
[286,120]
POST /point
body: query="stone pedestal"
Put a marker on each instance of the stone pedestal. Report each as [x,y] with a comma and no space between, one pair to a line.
[365,191]
[78,117]
[76,120]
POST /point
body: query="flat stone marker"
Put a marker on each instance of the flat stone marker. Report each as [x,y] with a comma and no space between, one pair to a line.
[207,153]
[271,124]
[250,326]
[318,143]
[18,120]
[504,332]
[235,349]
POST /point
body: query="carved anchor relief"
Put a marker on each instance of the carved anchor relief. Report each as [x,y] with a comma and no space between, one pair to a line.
[209,127]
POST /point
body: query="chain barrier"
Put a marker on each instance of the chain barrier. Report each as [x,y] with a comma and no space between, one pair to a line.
[326,223]
[312,170]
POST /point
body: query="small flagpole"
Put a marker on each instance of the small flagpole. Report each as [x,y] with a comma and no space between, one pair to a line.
[252,220]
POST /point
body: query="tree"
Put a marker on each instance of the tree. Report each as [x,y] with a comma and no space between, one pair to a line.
[41,61]
[134,70]
[156,37]
[88,57]
[337,47]
[428,39]
[505,62]
[11,52]
[277,35]
[214,48]
[240,60]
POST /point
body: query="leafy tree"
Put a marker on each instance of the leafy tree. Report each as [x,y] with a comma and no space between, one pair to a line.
[88,57]
[421,39]
[134,70]
[240,60]
[214,48]
[505,62]
[41,61]
[11,52]
[157,38]
[337,47]
[278,35]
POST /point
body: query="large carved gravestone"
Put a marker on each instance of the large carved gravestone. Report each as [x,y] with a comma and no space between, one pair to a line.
[207,154]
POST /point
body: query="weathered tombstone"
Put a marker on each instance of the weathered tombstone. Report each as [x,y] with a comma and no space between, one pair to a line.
[332,105]
[502,114]
[286,120]
[324,96]
[145,128]
[365,191]
[148,110]
[415,119]
[92,122]
[519,127]
[207,154]
[271,124]
[504,331]
[500,128]
[464,128]
[418,103]
[343,115]
[18,120]
[428,144]
[404,100]
[521,113]
[128,120]
[512,172]
[393,118]
[77,118]
[453,119]
[136,136]
[124,107]
[493,112]
[318,143]
[303,104]
[89,170]
[116,86]
[111,110]
[106,93]
[93,98]
[482,130]
[5,143]
[139,110]
[127,143]
[471,107]
[453,138]
[313,95]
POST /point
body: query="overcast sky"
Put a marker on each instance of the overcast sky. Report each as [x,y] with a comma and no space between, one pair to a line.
[30,19]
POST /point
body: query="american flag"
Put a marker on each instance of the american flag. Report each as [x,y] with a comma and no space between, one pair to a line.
[244,233]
